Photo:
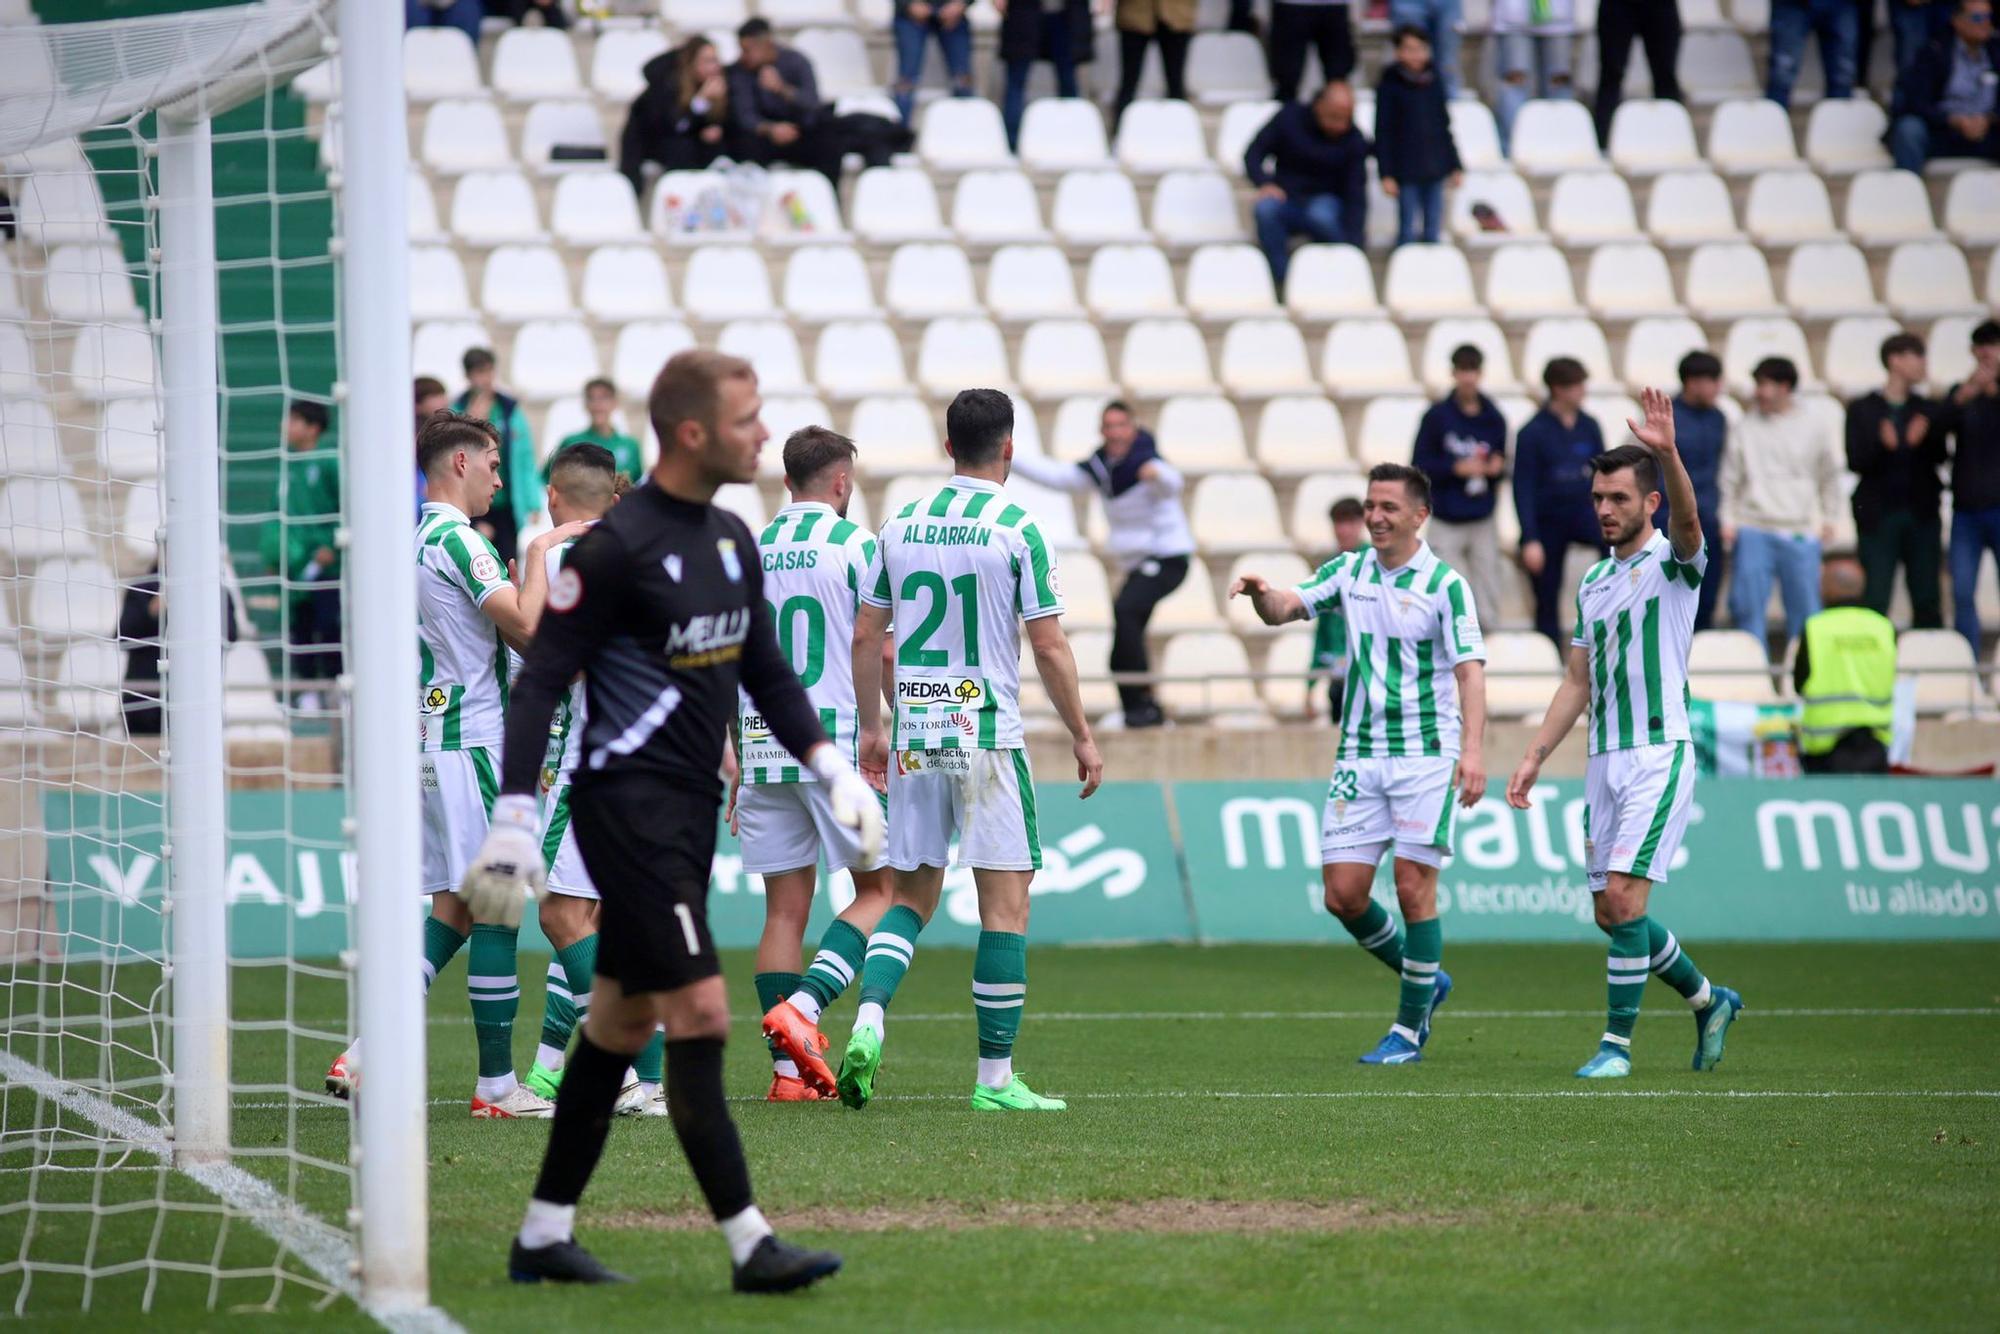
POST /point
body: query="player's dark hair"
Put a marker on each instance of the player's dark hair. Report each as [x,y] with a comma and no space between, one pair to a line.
[1415,482]
[811,450]
[1562,372]
[1467,357]
[1406,31]
[586,473]
[751,29]
[1645,468]
[1986,333]
[446,432]
[478,359]
[1700,366]
[689,388]
[977,424]
[1346,510]
[599,382]
[311,413]
[1778,370]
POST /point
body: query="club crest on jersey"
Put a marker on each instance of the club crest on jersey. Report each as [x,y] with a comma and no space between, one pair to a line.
[725,547]
[1635,576]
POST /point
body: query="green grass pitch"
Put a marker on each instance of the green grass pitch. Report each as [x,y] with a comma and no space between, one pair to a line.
[1225,1163]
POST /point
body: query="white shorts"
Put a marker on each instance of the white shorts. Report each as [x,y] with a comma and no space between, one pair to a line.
[458,788]
[1407,802]
[567,875]
[784,827]
[986,797]
[1637,811]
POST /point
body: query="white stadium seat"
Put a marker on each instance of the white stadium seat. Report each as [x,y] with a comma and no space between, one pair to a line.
[128,447]
[551,358]
[1581,338]
[1786,207]
[87,283]
[1927,279]
[1127,282]
[1300,434]
[1628,281]
[1266,356]
[1715,67]
[1729,280]
[626,282]
[770,347]
[1655,346]
[1063,134]
[784,414]
[1233,512]
[642,348]
[44,517]
[1846,136]
[1239,125]
[1651,137]
[1525,281]
[840,60]
[110,361]
[1972,207]
[1192,207]
[1475,135]
[525,282]
[1434,365]
[1826,279]
[1941,665]
[464,134]
[1160,136]
[1287,692]
[595,208]
[1215,672]
[1752,340]
[422,212]
[618,60]
[438,348]
[996,207]
[1226,67]
[1076,432]
[1689,208]
[1330,282]
[1311,529]
[896,434]
[1230,282]
[963,134]
[892,204]
[439,62]
[958,352]
[1285,569]
[1589,207]
[1853,354]
[1522,672]
[1202,433]
[928,280]
[437,284]
[1062,358]
[828,282]
[726,282]
[1096,208]
[1366,356]
[1751,135]
[1886,207]
[562,122]
[1028,282]
[69,599]
[491,208]
[1506,194]
[530,63]
[1164,356]
[857,358]
[1551,136]
[1427,282]
[1388,429]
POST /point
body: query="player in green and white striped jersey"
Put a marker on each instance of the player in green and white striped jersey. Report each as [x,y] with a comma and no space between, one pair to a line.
[468,614]
[1628,668]
[814,560]
[962,570]
[1411,736]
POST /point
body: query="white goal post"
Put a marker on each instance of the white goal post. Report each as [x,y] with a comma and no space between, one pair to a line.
[83,1089]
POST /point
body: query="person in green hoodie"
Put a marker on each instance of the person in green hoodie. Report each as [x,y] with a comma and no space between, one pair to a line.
[520,495]
[600,400]
[300,550]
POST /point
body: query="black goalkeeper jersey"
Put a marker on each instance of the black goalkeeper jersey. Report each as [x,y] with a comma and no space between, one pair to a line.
[661,607]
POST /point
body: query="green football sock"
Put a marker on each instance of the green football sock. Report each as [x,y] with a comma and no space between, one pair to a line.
[651,1062]
[1628,963]
[889,953]
[1377,933]
[840,953]
[999,990]
[1423,946]
[772,988]
[441,945]
[1673,967]
[567,1000]
[495,990]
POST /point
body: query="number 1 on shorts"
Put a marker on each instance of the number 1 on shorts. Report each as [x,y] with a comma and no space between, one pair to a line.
[682,911]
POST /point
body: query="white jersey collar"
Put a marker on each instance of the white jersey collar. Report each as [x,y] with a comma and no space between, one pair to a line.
[1420,560]
[804,506]
[960,481]
[1652,548]
[449,511]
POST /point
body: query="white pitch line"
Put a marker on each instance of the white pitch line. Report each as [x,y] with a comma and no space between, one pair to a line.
[325,1251]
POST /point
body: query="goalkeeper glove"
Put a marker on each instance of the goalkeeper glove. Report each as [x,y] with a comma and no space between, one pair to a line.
[508,870]
[855,804]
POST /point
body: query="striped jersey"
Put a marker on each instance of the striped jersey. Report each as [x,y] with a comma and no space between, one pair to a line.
[1636,619]
[566,725]
[1406,630]
[461,660]
[813,562]
[960,570]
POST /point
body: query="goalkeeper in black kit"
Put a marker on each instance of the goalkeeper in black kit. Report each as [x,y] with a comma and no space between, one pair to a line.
[661,607]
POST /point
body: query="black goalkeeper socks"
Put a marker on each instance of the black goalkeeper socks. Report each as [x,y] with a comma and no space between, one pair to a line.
[589,1091]
[701,1119]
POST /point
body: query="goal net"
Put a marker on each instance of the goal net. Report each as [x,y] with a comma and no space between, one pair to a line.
[176,854]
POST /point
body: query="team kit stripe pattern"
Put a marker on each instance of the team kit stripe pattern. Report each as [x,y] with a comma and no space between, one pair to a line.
[955,570]
[1407,629]
[1636,618]
[461,660]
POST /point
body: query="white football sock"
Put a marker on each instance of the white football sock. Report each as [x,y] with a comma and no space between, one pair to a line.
[547,1224]
[743,1231]
[785,1068]
[549,1058]
[869,1015]
[497,1087]
[1405,1034]
[1699,1001]
[996,1073]
[806,1004]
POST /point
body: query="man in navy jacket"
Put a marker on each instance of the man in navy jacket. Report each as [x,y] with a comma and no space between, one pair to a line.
[1462,447]
[1947,102]
[1317,182]
[1552,457]
[1700,434]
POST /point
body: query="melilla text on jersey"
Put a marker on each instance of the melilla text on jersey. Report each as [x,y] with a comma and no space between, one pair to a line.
[703,641]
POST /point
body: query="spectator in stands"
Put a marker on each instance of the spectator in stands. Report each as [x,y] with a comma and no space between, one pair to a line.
[1896,448]
[774,105]
[1031,30]
[515,506]
[1462,447]
[1837,26]
[1533,44]
[1324,26]
[1780,492]
[1972,412]
[1552,474]
[550,12]
[1149,537]
[1945,101]
[430,397]
[915,23]
[1139,22]
[1912,23]
[1317,180]
[139,634]
[1329,651]
[1656,23]
[1845,675]
[1413,143]
[463,15]
[600,400]
[1438,21]
[681,120]
[300,549]
[1701,433]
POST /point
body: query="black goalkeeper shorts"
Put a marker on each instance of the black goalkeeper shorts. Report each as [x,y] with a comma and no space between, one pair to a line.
[648,845]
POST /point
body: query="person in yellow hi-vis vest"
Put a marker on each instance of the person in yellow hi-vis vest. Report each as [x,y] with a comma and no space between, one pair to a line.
[1846,676]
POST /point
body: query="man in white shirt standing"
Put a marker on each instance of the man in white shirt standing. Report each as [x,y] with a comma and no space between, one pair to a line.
[1780,492]
[1149,538]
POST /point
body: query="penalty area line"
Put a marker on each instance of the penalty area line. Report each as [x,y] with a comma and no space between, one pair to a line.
[321,1248]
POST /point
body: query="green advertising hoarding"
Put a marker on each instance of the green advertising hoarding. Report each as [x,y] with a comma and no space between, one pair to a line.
[1806,859]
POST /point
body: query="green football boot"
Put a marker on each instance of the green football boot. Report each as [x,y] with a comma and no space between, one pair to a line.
[543,1082]
[858,1065]
[1016,1097]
